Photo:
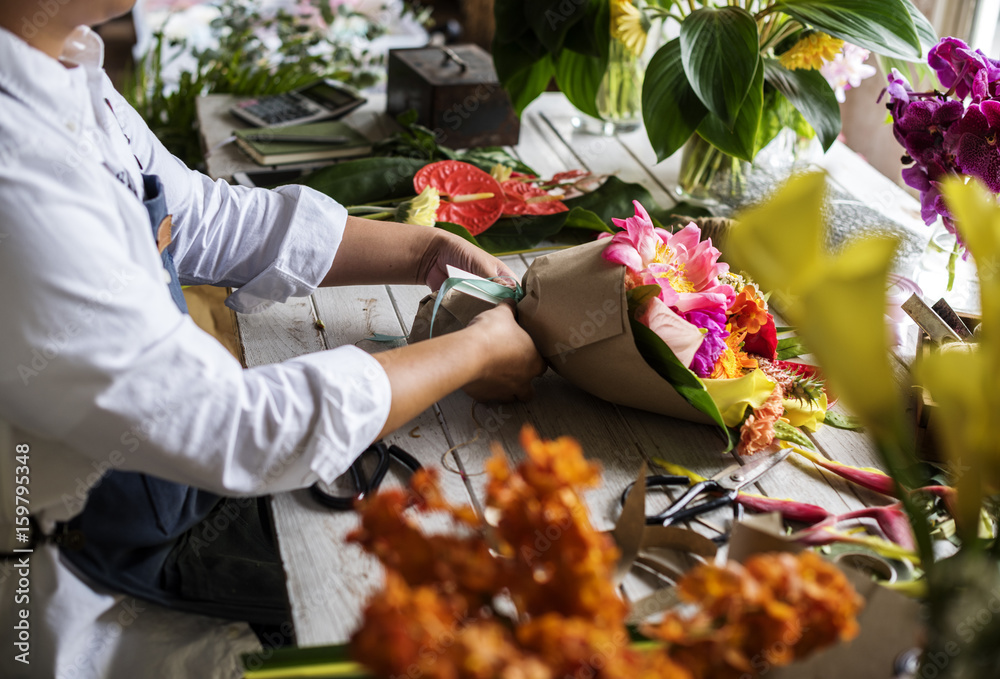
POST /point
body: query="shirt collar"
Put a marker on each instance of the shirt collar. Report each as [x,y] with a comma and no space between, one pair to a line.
[40,81]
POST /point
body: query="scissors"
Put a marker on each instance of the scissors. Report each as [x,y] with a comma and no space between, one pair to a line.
[724,486]
[363,486]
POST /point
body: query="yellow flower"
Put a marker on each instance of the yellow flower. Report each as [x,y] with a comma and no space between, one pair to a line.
[627,26]
[422,210]
[501,172]
[811,51]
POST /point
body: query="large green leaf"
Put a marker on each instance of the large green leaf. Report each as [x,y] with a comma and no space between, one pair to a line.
[720,50]
[508,16]
[523,82]
[579,78]
[741,141]
[883,26]
[811,94]
[661,359]
[671,110]
[551,19]
[356,182]
[925,31]
[613,199]
[579,71]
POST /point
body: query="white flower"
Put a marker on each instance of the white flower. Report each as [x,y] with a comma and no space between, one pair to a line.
[847,69]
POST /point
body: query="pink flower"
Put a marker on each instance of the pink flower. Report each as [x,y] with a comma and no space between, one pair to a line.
[682,337]
[686,268]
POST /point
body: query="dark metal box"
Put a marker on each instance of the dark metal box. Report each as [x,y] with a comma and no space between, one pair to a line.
[455,92]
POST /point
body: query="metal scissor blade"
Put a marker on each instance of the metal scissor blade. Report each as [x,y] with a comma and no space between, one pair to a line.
[736,476]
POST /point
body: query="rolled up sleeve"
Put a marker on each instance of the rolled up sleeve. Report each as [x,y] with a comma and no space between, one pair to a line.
[271,244]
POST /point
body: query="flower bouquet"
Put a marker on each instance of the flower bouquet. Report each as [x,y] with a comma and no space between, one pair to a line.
[652,320]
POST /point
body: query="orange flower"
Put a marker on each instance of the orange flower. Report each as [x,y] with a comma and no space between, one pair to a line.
[733,362]
[757,431]
[749,311]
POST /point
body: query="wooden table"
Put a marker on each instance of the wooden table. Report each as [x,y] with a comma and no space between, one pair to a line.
[328,580]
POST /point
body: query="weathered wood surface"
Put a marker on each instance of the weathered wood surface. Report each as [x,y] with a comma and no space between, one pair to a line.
[329,580]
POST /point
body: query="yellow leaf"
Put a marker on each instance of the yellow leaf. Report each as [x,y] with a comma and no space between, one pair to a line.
[781,241]
[733,396]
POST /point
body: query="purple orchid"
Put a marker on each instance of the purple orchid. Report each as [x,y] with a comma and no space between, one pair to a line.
[978,134]
[963,70]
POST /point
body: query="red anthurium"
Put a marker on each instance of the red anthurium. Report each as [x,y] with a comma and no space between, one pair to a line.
[469,196]
[525,198]
[764,342]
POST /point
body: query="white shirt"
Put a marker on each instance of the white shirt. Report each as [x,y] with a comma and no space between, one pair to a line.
[98,368]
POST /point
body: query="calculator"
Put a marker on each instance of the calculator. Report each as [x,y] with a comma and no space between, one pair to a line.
[321,100]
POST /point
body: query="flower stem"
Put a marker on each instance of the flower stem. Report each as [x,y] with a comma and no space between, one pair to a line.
[952,260]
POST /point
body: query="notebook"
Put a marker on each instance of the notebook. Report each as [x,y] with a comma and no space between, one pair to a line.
[326,140]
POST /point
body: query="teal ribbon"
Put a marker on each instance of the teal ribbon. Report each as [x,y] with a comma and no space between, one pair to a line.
[495,291]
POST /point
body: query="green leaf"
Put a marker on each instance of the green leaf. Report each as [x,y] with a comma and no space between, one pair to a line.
[640,295]
[882,26]
[661,359]
[591,35]
[720,51]
[510,21]
[582,218]
[786,432]
[741,141]
[790,347]
[579,77]
[458,230]
[551,19]
[925,31]
[612,199]
[810,93]
[525,85]
[840,420]
[671,110]
[357,182]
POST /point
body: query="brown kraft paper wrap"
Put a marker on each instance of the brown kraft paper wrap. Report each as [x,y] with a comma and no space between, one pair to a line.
[575,309]
[456,311]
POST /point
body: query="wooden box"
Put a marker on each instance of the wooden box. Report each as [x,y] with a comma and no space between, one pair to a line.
[455,92]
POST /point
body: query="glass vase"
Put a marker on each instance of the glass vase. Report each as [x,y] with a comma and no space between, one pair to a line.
[715,179]
[619,97]
[708,175]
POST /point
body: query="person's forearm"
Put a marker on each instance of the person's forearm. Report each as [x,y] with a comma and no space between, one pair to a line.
[423,373]
[382,253]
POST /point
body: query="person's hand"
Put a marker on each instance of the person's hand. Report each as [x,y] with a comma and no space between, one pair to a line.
[512,360]
[447,248]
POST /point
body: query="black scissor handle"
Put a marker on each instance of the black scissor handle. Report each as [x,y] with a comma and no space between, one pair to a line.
[656,481]
[682,510]
[364,486]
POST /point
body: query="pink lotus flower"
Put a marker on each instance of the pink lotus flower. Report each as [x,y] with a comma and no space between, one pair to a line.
[687,272]
[686,268]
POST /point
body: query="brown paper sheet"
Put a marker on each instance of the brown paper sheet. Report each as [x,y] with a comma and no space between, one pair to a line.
[576,311]
[456,311]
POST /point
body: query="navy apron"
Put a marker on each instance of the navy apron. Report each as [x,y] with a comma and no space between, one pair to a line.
[172,544]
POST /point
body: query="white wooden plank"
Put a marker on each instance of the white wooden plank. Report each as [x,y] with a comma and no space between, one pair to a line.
[280,332]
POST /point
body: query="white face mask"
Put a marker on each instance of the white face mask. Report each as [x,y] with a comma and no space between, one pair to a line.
[83,47]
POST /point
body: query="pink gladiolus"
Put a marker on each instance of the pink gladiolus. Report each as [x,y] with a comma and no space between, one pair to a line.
[789,509]
[891,520]
[872,479]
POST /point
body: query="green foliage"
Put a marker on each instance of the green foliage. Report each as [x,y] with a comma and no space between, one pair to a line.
[659,356]
[709,80]
[242,64]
